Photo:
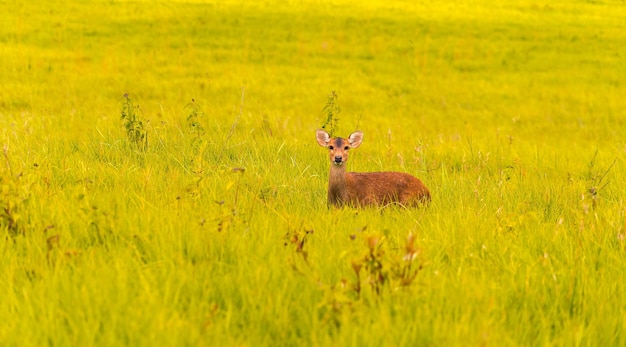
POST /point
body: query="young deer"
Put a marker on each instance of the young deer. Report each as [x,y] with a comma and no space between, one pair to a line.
[366,188]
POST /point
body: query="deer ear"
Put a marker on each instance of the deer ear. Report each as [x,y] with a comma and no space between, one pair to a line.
[322,137]
[355,139]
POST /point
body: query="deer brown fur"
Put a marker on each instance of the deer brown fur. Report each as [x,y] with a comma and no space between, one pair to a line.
[366,188]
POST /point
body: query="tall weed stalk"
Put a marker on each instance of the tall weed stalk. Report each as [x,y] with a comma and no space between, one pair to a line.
[134,125]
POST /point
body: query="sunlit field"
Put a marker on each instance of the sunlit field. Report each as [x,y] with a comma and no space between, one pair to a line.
[161,184]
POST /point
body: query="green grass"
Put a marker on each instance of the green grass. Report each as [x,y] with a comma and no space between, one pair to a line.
[511,113]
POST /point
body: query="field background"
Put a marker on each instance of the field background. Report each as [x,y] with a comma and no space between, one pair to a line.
[216,232]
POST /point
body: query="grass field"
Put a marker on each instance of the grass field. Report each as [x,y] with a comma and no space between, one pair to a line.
[161,184]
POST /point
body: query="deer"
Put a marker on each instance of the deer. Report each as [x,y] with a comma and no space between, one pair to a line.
[361,189]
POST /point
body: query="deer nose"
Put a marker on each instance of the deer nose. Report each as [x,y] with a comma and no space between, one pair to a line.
[338,159]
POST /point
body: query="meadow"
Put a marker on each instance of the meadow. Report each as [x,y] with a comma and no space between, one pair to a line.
[161,185]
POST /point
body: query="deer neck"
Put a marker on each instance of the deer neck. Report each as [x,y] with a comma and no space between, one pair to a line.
[337,193]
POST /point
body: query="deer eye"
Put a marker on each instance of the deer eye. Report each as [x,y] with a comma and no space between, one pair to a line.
[346,148]
[331,147]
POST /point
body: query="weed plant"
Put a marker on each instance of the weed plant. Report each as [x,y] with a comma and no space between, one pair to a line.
[134,125]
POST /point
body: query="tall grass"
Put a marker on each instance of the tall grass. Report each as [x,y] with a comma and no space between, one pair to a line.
[216,231]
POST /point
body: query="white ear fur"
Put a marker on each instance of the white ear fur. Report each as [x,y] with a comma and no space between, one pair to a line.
[322,137]
[355,139]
